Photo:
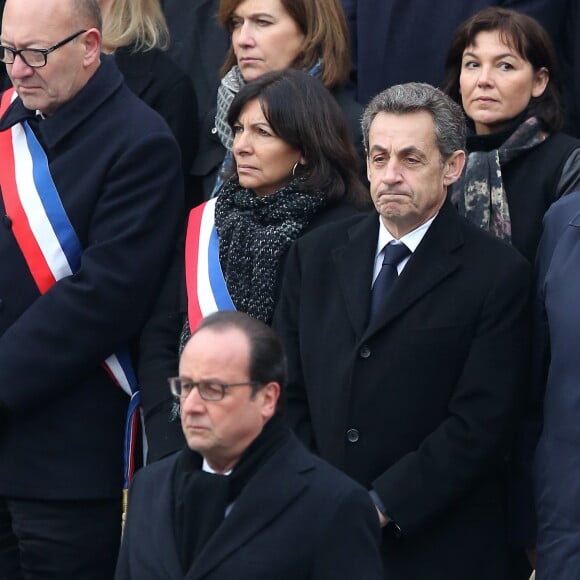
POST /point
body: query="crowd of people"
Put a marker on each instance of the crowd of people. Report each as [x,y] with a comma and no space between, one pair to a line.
[288,290]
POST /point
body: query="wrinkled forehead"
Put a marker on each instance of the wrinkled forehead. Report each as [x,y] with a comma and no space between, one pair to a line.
[402,130]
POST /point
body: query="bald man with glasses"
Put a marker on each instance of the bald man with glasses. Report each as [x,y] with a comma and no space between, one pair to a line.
[91,193]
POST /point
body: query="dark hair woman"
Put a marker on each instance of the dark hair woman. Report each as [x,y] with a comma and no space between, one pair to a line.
[295,169]
[502,68]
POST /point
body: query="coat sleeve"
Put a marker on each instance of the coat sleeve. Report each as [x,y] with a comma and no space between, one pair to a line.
[472,441]
[82,319]
[159,360]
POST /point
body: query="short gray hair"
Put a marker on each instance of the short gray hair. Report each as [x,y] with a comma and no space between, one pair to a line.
[448,117]
[88,13]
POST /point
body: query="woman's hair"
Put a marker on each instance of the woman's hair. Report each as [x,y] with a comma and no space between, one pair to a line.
[305,115]
[135,22]
[326,36]
[524,35]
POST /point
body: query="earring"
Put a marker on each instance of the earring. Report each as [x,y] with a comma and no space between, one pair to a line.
[295,167]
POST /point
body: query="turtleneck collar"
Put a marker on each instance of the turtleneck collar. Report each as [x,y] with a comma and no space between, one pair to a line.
[493,141]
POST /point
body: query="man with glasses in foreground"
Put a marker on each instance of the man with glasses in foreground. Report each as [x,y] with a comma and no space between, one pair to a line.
[244,499]
[91,193]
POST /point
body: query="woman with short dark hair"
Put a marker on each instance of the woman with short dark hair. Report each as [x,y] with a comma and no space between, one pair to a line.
[295,169]
[502,68]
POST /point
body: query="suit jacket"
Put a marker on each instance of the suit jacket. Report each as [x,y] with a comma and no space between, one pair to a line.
[400,41]
[297,518]
[115,165]
[418,404]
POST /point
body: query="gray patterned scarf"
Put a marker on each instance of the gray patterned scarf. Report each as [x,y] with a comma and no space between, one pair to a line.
[229,87]
[480,195]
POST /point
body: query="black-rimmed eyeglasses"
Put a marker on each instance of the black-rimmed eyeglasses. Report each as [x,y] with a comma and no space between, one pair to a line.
[208,390]
[33,57]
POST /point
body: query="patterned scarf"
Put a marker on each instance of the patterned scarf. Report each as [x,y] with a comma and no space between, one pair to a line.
[229,87]
[480,194]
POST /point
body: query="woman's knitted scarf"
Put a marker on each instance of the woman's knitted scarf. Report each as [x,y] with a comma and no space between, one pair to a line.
[254,234]
[480,194]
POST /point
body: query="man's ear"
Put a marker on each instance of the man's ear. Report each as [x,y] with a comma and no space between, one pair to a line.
[270,393]
[453,167]
[92,44]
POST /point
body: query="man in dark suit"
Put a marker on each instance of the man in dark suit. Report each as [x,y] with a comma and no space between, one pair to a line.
[416,400]
[244,499]
[90,202]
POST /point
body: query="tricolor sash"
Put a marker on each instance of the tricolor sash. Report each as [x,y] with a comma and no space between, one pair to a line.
[206,287]
[49,242]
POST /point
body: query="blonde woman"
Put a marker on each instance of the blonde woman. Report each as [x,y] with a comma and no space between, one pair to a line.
[135,31]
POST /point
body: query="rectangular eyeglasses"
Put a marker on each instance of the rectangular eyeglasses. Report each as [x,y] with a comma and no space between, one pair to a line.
[181,387]
[33,57]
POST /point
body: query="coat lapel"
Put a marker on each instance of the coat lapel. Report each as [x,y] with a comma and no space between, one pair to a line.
[354,263]
[163,539]
[431,263]
[267,495]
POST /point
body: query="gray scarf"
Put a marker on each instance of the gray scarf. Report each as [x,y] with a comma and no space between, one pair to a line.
[229,87]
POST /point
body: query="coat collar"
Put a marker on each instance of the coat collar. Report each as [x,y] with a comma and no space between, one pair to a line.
[138,68]
[433,260]
[265,497]
[106,81]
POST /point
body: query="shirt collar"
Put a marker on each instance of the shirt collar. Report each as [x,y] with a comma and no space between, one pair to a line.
[411,239]
[206,467]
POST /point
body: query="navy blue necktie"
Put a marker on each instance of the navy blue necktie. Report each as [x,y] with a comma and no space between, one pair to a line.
[393,255]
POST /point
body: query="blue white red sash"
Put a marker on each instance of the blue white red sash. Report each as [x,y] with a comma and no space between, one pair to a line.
[49,242]
[206,287]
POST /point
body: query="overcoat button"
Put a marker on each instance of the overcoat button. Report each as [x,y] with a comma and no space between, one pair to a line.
[352,435]
[364,351]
